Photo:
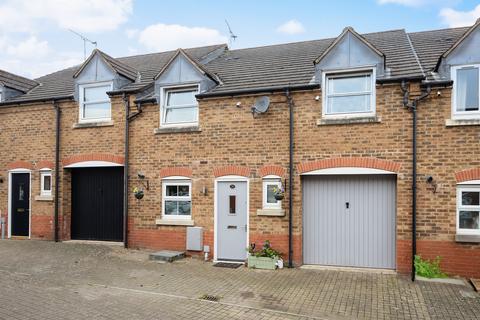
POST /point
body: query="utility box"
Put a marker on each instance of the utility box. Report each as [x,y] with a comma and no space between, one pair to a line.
[194,238]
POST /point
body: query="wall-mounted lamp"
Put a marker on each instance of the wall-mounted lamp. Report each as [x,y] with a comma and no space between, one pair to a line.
[238,104]
[144,182]
[432,182]
[317,98]
[204,190]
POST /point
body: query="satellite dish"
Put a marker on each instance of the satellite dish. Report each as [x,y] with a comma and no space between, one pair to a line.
[261,105]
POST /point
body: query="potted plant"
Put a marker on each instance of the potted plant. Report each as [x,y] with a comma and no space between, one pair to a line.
[138,193]
[279,193]
[266,258]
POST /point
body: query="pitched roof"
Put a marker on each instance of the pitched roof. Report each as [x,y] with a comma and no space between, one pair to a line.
[13,81]
[116,66]
[340,37]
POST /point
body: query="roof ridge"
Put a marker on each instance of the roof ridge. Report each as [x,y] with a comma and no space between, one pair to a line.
[441,29]
[170,51]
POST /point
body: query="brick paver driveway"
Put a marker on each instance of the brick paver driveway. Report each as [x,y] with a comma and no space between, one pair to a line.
[46,280]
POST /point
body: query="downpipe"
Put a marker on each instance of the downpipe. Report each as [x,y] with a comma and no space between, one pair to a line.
[58,114]
[290,179]
[412,106]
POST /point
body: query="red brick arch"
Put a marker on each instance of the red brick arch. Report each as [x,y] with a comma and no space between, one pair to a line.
[45,164]
[93,157]
[469,174]
[19,164]
[357,162]
[231,171]
[176,171]
[271,170]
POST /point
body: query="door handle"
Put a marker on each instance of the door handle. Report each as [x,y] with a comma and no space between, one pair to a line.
[347,205]
[231,227]
[20,210]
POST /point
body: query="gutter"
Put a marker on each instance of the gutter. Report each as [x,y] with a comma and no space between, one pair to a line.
[412,106]
[57,167]
[19,102]
[272,89]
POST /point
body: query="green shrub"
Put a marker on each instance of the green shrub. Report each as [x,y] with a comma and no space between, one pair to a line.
[428,268]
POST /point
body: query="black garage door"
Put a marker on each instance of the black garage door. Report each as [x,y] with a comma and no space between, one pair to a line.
[97,204]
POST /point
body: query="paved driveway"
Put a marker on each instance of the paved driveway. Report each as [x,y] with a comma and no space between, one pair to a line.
[46,280]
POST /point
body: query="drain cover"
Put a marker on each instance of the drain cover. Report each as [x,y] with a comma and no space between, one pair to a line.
[209,297]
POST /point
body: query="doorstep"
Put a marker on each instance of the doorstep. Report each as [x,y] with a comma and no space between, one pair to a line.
[104,243]
[456,281]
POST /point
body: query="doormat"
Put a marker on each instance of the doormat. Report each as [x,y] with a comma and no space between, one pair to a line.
[228,265]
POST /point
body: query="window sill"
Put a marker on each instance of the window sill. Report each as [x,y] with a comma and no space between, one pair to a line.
[172,222]
[471,238]
[44,198]
[462,122]
[81,125]
[166,130]
[271,212]
[348,120]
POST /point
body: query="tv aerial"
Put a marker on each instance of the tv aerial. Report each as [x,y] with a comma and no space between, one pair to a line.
[85,40]
[233,36]
[260,105]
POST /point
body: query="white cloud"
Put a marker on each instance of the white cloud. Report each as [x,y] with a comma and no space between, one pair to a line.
[29,48]
[163,37]
[291,27]
[81,15]
[454,18]
[419,3]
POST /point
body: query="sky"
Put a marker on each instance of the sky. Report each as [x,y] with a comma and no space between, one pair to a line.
[35,39]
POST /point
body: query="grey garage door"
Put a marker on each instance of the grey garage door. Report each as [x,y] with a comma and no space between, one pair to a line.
[349,220]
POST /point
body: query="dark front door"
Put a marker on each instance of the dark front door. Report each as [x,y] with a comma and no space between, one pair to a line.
[97,204]
[20,204]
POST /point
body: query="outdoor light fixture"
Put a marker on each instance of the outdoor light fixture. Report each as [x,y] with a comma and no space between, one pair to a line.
[144,182]
[432,182]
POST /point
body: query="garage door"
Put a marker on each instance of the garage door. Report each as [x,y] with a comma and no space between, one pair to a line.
[349,220]
[97,204]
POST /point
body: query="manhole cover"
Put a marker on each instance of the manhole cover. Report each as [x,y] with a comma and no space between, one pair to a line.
[210,297]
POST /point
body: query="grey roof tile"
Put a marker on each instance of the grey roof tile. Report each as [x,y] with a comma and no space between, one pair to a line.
[16,82]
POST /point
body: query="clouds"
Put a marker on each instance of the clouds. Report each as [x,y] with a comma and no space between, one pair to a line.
[454,18]
[291,27]
[163,37]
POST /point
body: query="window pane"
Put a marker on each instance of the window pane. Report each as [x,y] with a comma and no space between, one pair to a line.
[183,191]
[172,191]
[349,104]
[271,193]
[171,207]
[349,85]
[96,110]
[470,198]
[181,115]
[47,182]
[181,98]
[469,219]
[233,205]
[467,89]
[184,208]
[96,93]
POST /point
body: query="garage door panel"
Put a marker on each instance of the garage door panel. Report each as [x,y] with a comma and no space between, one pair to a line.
[349,221]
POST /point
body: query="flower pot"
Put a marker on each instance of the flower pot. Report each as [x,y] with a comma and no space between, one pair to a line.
[139,195]
[262,263]
[279,196]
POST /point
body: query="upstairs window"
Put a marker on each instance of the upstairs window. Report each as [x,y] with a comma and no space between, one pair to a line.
[468,210]
[466,88]
[94,102]
[179,107]
[349,94]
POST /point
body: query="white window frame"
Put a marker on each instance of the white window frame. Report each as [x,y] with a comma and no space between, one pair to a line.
[326,75]
[266,181]
[45,173]
[81,96]
[163,98]
[463,114]
[180,182]
[460,207]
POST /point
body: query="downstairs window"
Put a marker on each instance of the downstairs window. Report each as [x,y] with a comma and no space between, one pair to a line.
[468,209]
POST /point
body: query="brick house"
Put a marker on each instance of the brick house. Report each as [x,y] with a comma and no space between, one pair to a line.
[209,134]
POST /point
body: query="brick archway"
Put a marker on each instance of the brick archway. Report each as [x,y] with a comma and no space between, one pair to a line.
[271,170]
[45,164]
[20,165]
[467,175]
[356,162]
[231,171]
[176,171]
[93,157]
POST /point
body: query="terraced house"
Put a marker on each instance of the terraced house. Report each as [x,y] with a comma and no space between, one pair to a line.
[374,138]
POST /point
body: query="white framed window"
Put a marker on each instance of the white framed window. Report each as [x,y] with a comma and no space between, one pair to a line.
[271,184]
[468,209]
[177,199]
[179,107]
[95,104]
[349,93]
[46,183]
[466,91]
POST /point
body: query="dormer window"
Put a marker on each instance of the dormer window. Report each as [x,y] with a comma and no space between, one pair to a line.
[349,94]
[466,88]
[179,106]
[95,104]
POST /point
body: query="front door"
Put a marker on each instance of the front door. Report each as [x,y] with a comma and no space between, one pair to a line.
[20,204]
[231,226]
